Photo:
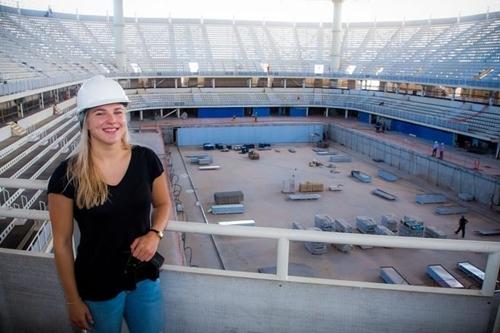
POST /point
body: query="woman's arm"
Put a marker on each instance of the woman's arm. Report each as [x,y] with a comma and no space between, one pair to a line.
[61,217]
[144,247]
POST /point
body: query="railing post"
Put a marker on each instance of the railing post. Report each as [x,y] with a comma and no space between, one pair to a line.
[282,260]
[490,274]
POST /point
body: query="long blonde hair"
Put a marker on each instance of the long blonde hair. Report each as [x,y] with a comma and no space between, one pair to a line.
[91,190]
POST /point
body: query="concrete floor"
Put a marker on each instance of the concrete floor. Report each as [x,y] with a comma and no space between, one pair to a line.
[261,182]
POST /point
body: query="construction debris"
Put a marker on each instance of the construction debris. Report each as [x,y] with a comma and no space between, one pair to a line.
[253,155]
[315,163]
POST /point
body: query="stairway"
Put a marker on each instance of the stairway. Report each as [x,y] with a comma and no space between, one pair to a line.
[16,129]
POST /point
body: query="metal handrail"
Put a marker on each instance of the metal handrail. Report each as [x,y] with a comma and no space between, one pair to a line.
[284,236]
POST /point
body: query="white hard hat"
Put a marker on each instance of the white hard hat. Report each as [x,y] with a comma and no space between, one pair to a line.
[99,90]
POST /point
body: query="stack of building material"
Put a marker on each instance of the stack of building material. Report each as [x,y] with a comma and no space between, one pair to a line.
[361,176]
[384,195]
[411,226]
[472,271]
[340,158]
[315,247]
[312,247]
[430,198]
[390,221]
[304,196]
[383,230]
[324,222]
[288,186]
[391,276]
[444,278]
[433,232]
[342,225]
[365,224]
[230,197]
[449,210]
[385,175]
[202,159]
[208,146]
[311,187]
[228,209]
[253,155]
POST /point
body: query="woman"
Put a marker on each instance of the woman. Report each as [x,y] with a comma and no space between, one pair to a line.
[108,187]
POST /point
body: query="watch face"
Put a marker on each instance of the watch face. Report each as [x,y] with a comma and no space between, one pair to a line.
[160,233]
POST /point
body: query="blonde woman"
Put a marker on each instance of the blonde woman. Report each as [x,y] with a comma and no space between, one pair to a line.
[108,187]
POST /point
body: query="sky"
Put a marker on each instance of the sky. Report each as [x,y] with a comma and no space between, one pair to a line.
[273,10]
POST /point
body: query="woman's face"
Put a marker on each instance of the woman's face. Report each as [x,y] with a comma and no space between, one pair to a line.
[107,123]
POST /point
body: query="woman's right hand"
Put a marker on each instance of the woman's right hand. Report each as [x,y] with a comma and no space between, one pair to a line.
[80,316]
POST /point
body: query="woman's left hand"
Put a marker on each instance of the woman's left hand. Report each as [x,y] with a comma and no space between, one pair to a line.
[144,247]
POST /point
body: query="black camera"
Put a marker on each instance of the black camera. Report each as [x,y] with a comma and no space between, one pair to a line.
[138,270]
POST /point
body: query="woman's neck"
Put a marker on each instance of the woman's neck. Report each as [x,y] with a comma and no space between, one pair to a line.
[102,152]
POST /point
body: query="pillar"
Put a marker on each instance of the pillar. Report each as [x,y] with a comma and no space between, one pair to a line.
[336,34]
[42,106]
[118,27]
[141,115]
[346,114]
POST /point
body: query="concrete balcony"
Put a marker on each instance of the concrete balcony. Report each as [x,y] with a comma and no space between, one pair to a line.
[209,300]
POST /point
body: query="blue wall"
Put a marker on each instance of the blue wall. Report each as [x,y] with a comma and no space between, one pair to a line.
[262,112]
[220,112]
[298,112]
[193,136]
[363,117]
[422,132]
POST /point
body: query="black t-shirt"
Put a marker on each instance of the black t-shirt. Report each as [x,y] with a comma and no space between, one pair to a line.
[108,230]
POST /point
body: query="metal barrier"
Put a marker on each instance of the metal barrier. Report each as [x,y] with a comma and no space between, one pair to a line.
[284,236]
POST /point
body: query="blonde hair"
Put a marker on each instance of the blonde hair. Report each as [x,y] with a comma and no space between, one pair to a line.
[91,190]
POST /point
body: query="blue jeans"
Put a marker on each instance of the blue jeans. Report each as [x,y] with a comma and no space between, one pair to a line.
[142,309]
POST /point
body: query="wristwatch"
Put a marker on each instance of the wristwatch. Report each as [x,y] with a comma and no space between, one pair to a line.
[158,232]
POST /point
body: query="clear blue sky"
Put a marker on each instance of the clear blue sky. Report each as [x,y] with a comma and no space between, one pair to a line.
[281,10]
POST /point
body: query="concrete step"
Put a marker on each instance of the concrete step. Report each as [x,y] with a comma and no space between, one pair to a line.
[16,129]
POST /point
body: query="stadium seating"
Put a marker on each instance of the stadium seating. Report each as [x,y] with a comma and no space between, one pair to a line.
[456,50]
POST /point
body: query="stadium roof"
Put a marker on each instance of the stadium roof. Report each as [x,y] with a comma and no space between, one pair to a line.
[272,10]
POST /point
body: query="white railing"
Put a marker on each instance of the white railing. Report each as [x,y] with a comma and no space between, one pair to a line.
[284,236]
[43,237]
